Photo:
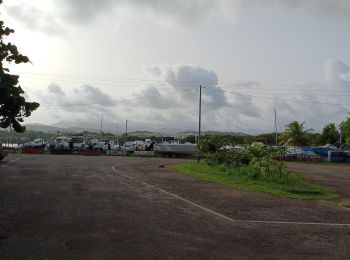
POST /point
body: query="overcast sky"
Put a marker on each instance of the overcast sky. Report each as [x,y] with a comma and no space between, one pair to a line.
[143,60]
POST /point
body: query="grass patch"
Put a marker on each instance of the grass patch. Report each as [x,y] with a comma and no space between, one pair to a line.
[287,185]
[345,203]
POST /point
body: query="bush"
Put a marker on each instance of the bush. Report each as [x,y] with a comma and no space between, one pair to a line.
[254,163]
[216,158]
[241,157]
[211,143]
[269,167]
[235,158]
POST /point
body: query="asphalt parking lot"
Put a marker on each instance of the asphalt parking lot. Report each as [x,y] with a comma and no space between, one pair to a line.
[79,207]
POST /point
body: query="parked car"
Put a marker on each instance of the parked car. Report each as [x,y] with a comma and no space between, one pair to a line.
[78,142]
[95,144]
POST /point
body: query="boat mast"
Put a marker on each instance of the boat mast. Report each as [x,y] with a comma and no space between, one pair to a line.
[276,136]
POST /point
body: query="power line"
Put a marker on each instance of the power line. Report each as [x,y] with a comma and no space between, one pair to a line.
[192,83]
[110,79]
[300,94]
[113,101]
[110,83]
[210,88]
[279,99]
[136,85]
[218,88]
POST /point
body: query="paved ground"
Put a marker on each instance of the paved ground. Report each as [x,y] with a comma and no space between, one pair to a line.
[76,207]
[337,177]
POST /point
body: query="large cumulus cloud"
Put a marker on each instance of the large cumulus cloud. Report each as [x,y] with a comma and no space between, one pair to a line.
[177,87]
[81,101]
[186,79]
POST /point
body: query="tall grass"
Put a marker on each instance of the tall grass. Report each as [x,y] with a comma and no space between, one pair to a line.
[255,174]
[276,183]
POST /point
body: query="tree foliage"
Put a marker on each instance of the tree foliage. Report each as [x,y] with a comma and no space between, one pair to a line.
[189,139]
[295,134]
[212,143]
[330,134]
[13,106]
[345,130]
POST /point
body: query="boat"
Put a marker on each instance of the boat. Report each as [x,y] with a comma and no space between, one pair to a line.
[60,143]
[36,143]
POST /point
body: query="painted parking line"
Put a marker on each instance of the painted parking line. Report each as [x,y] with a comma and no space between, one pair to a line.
[217,214]
[10,162]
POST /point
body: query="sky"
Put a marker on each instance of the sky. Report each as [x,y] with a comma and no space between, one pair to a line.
[144,60]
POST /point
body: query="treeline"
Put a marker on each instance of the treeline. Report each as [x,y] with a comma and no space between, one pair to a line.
[294,134]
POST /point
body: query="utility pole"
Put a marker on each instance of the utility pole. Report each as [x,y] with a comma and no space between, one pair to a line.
[126,133]
[101,125]
[126,129]
[199,123]
[117,133]
[276,136]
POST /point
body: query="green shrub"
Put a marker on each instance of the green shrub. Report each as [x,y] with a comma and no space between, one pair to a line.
[270,169]
[241,157]
[216,158]
[255,163]
[234,158]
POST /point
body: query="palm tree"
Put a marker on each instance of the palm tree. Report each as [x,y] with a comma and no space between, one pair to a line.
[295,134]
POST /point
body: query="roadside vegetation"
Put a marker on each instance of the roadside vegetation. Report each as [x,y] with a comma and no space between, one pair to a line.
[254,169]
[13,105]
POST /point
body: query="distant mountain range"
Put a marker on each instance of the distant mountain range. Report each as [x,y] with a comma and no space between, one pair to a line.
[55,129]
[65,127]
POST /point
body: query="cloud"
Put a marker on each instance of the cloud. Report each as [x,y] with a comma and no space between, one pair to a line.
[196,11]
[91,94]
[54,97]
[320,102]
[187,78]
[152,97]
[169,100]
[34,18]
[55,89]
[85,11]
[178,11]
[163,13]
[179,84]
[334,9]
[337,72]
[176,88]
[244,105]
[246,84]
